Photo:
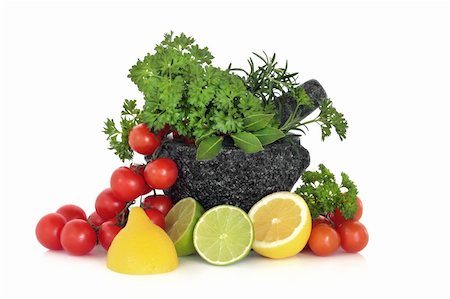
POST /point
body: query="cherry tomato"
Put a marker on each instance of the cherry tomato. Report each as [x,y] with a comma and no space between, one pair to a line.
[176,135]
[319,220]
[139,168]
[166,130]
[156,217]
[107,232]
[189,141]
[161,173]
[95,220]
[147,189]
[72,212]
[108,205]
[143,141]
[338,218]
[127,184]
[354,235]
[324,240]
[162,203]
[78,237]
[48,230]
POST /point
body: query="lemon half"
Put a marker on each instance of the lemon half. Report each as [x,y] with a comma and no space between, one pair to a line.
[141,247]
[282,224]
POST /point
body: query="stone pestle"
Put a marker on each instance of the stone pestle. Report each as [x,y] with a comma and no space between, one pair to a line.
[315,92]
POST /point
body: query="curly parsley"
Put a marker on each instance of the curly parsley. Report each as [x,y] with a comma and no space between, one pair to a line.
[118,139]
[323,194]
[182,89]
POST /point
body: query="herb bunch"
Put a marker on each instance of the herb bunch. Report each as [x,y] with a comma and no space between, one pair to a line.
[199,101]
[270,83]
[324,195]
[183,91]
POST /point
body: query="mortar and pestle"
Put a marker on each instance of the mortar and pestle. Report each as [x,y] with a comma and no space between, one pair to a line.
[236,178]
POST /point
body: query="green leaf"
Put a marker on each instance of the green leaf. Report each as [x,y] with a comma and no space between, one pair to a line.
[247,142]
[257,122]
[209,148]
[324,195]
[268,135]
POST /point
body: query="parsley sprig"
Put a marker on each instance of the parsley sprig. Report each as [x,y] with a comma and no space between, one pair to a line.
[323,194]
[329,118]
[118,138]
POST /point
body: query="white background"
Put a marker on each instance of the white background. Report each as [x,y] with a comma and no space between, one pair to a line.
[386,66]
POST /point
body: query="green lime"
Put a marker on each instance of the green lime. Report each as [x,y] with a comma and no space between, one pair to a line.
[223,235]
[180,223]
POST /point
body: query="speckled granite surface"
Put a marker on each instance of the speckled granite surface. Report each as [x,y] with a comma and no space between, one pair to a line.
[234,177]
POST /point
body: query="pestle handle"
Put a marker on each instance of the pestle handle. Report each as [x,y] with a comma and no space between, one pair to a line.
[313,89]
[316,93]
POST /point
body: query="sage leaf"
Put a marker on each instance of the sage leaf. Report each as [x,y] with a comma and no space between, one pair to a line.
[268,135]
[209,148]
[247,142]
[257,122]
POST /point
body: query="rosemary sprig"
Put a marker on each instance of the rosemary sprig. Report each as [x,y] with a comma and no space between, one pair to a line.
[268,81]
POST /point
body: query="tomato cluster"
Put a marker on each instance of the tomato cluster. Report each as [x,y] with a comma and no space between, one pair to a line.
[71,230]
[334,231]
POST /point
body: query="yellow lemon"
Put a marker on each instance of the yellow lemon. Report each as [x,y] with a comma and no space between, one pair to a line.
[141,247]
[282,224]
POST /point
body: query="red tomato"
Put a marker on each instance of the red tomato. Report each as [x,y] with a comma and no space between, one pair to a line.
[95,220]
[78,237]
[176,135]
[107,232]
[48,230]
[108,205]
[139,168]
[156,217]
[72,212]
[147,189]
[161,173]
[338,218]
[354,236]
[324,240]
[127,184]
[166,130]
[319,220]
[189,141]
[162,203]
[143,141]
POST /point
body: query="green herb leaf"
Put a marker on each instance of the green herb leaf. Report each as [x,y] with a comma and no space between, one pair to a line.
[247,142]
[268,135]
[330,118]
[118,139]
[209,148]
[257,122]
[324,195]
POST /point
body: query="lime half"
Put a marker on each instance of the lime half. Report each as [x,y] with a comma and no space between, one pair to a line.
[180,223]
[223,235]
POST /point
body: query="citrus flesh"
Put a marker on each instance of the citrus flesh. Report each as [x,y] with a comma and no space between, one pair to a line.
[282,224]
[223,235]
[180,223]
